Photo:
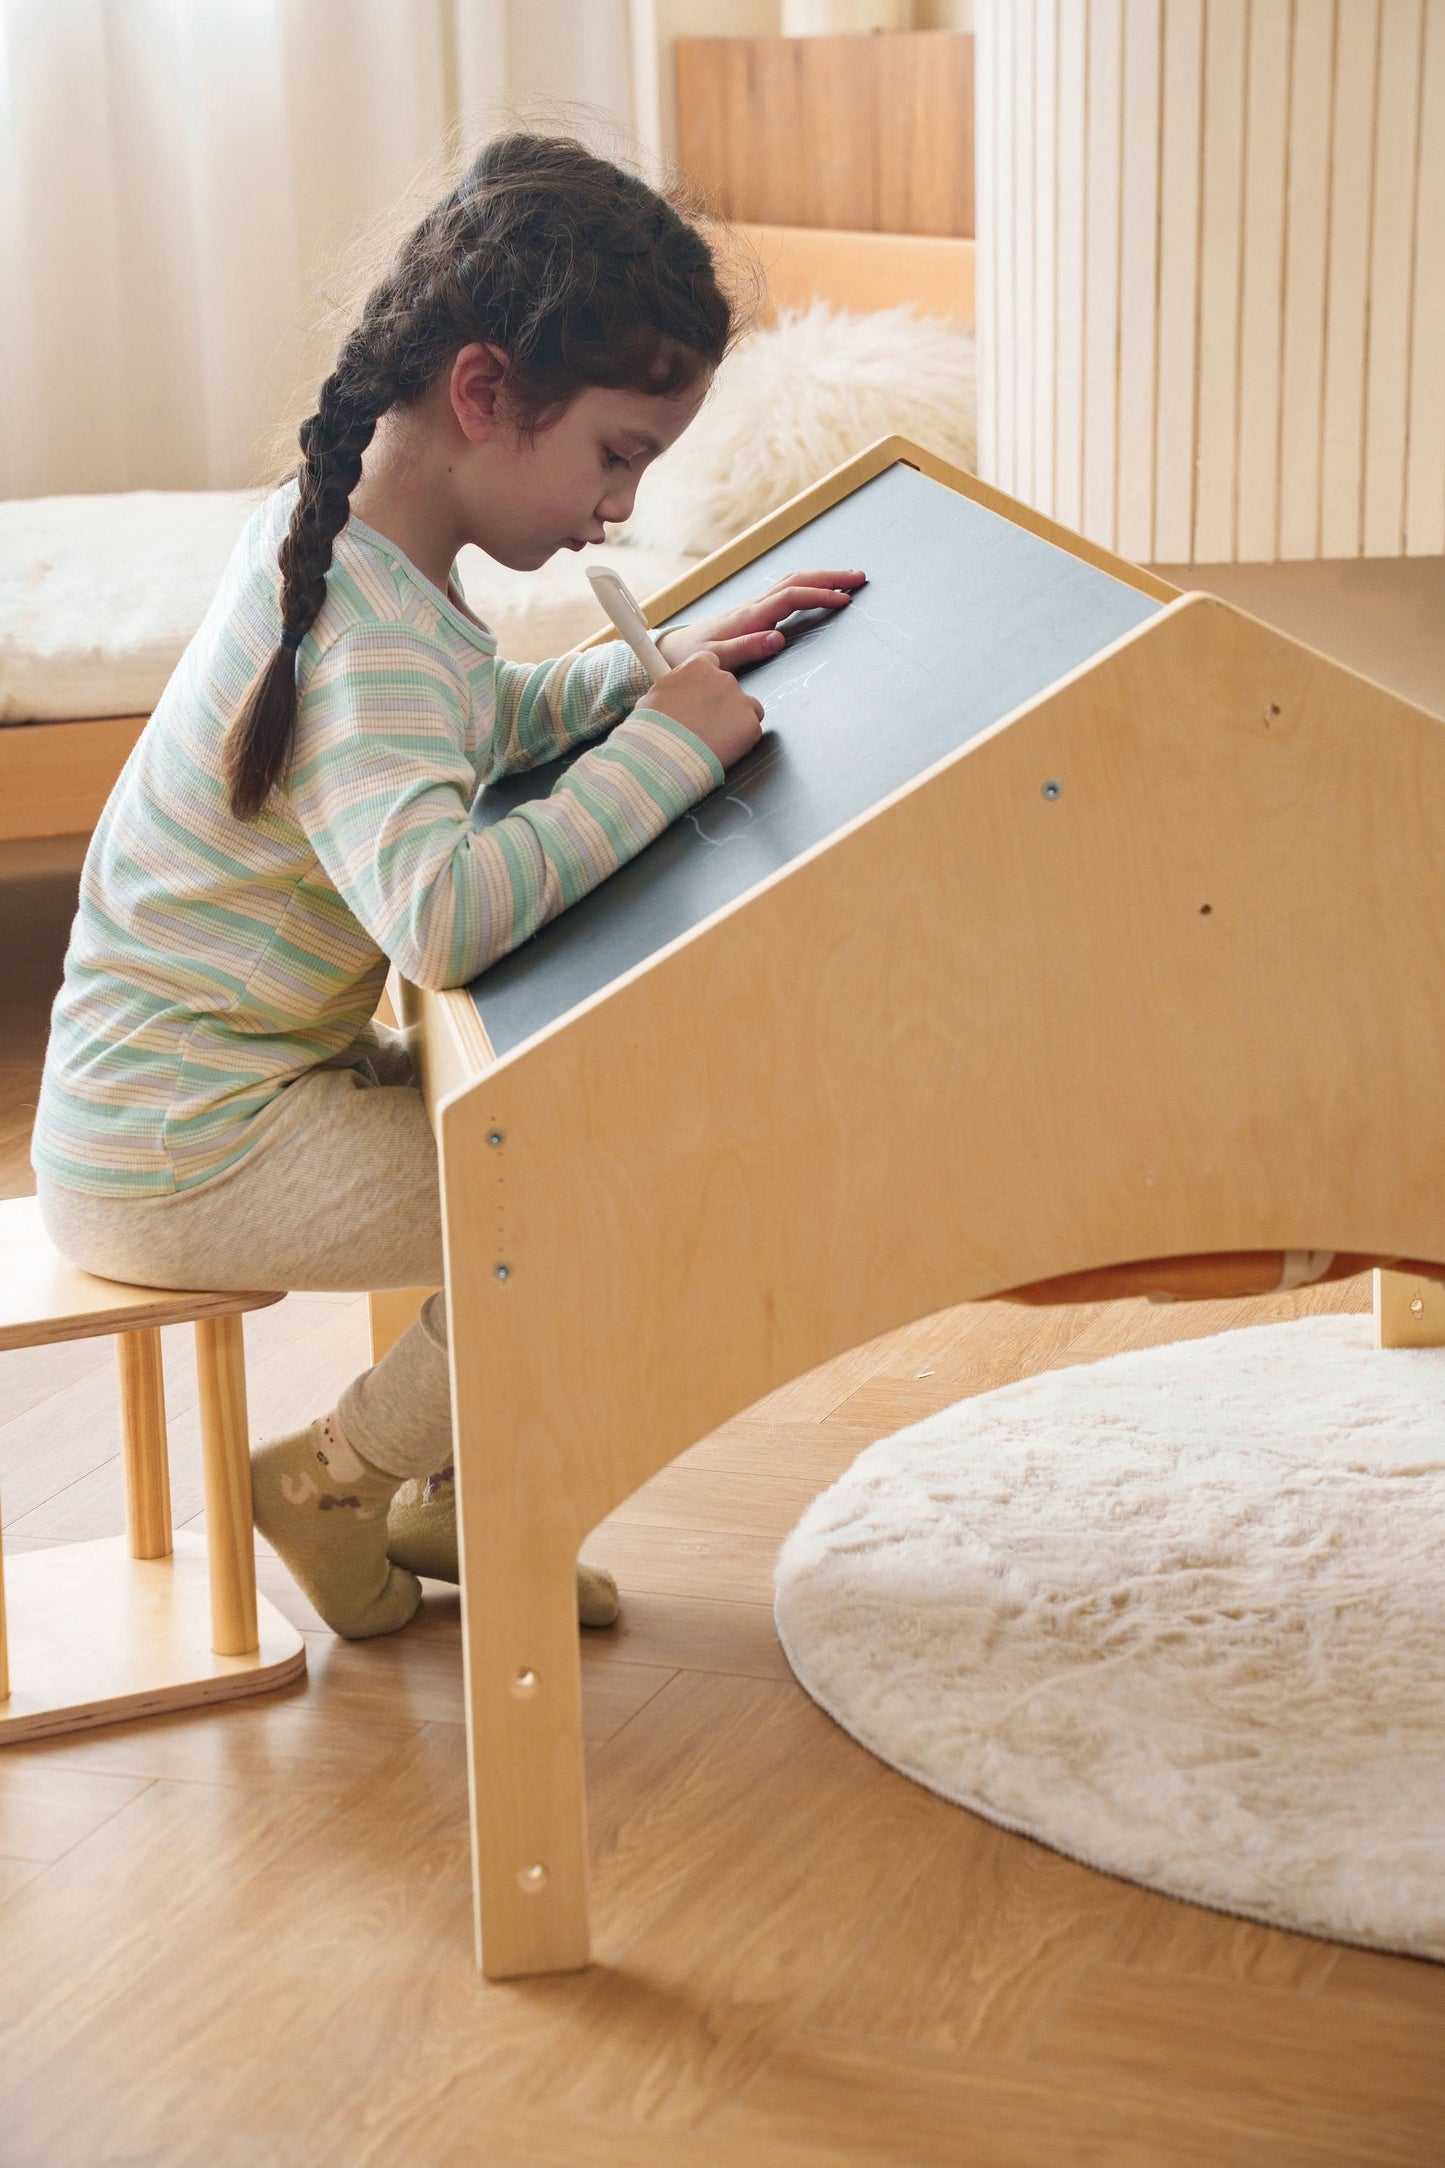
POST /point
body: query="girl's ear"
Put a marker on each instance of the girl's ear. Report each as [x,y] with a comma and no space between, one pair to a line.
[477,377]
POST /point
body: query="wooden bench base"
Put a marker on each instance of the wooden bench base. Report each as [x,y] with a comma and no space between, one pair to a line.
[97,1636]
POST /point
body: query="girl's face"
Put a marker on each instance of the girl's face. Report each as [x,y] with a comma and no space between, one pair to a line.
[529,496]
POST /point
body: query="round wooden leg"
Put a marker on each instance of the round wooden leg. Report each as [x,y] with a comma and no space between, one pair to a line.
[226,1455]
[143,1442]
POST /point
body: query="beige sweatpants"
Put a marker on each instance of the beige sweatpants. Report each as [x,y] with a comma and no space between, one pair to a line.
[338,1192]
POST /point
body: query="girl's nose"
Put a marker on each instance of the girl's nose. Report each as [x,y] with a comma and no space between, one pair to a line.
[617,505]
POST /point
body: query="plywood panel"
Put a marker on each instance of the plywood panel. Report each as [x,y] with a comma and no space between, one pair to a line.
[874,133]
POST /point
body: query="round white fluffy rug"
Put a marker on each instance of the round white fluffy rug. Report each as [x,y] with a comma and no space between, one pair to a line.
[1179,1613]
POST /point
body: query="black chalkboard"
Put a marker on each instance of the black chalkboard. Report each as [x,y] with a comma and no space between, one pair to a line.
[965,616]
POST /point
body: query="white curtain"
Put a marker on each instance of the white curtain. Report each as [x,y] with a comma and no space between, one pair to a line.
[181,180]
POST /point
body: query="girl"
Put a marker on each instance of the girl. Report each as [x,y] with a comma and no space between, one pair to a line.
[219,1109]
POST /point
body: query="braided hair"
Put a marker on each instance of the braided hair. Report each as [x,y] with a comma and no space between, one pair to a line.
[581,274]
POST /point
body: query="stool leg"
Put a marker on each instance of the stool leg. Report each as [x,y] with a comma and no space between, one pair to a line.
[226,1454]
[143,1440]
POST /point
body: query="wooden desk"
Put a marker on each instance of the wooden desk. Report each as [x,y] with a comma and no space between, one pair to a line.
[1114,973]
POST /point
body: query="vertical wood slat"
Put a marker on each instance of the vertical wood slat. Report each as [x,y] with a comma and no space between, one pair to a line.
[1138,280]
[1045,187]
[1306,257]
[1181,116]
[1006,259]
[1392,249]
[1266,143]
[1425,476]
[1070,229]
[986,255]
[1024,232]
[1221,332]
[1101,265]
[1220,257]
[1347,294]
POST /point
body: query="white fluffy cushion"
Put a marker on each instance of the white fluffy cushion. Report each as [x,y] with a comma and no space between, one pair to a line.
[792,402]
[99,596]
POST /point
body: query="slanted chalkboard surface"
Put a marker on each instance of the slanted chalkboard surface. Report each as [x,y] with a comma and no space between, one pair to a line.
[965,616]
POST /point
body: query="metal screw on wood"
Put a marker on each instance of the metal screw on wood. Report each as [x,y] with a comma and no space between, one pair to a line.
[1053,790]
[494,1136]
[504,1272]
[532,1878]
[524,1685]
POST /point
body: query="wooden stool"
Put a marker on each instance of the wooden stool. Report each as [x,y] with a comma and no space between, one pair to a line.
[122,1627]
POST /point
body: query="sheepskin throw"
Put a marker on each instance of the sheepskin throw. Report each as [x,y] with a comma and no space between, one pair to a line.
[791,403]
[1179,1614]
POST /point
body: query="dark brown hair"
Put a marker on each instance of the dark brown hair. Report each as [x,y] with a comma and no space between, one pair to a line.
[582,275]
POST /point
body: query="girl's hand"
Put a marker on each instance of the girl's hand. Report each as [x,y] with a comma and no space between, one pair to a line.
[749,633]
[710,703]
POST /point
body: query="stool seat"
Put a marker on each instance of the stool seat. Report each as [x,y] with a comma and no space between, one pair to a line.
[97,1636]
[43,1297]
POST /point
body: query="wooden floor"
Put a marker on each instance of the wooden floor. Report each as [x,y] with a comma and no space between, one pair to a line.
[244,1938]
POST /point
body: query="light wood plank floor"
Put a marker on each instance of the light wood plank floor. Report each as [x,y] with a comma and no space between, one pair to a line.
[245,1938]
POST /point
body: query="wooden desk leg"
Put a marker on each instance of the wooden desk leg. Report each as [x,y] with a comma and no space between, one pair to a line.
[524,1742]
[1408,1312]
[226,1457]
[390,1311]
[143,1442]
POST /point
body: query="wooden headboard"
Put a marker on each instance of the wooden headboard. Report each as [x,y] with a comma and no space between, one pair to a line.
[846,162]
[863,271]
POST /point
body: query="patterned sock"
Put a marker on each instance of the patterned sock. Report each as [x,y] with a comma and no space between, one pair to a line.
[421,1534]
[324,1509]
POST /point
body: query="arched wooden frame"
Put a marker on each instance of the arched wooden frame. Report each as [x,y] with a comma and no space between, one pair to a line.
[1149,968]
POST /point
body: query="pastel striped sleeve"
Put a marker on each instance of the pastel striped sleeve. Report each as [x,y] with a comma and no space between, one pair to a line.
[545,708]
[382,783]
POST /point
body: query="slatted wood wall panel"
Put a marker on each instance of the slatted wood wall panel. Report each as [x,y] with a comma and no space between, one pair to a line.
[1211,274]
[872,134]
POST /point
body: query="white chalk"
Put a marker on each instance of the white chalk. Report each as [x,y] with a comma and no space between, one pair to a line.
[621,605]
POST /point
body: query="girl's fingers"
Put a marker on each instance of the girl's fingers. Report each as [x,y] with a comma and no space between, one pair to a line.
[750,647]
[781,602]
[822,579]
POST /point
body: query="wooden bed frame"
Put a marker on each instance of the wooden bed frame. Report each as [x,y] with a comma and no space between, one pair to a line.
[643,1235]
[55,777]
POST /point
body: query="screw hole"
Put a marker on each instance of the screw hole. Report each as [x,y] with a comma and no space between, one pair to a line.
[1205,909]
[525,1684]
[1272,711]
[504,1272]
[494,1136]
[1417,1305]
[532,1878]
[1053,790]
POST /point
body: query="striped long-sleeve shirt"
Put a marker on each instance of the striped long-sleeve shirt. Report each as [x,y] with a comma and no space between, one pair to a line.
[212,962]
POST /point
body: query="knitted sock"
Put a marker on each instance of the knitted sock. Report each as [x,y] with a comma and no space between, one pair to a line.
[421,1534]
[324,1509]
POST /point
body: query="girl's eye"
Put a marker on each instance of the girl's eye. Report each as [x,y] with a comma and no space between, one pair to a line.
[615,459]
